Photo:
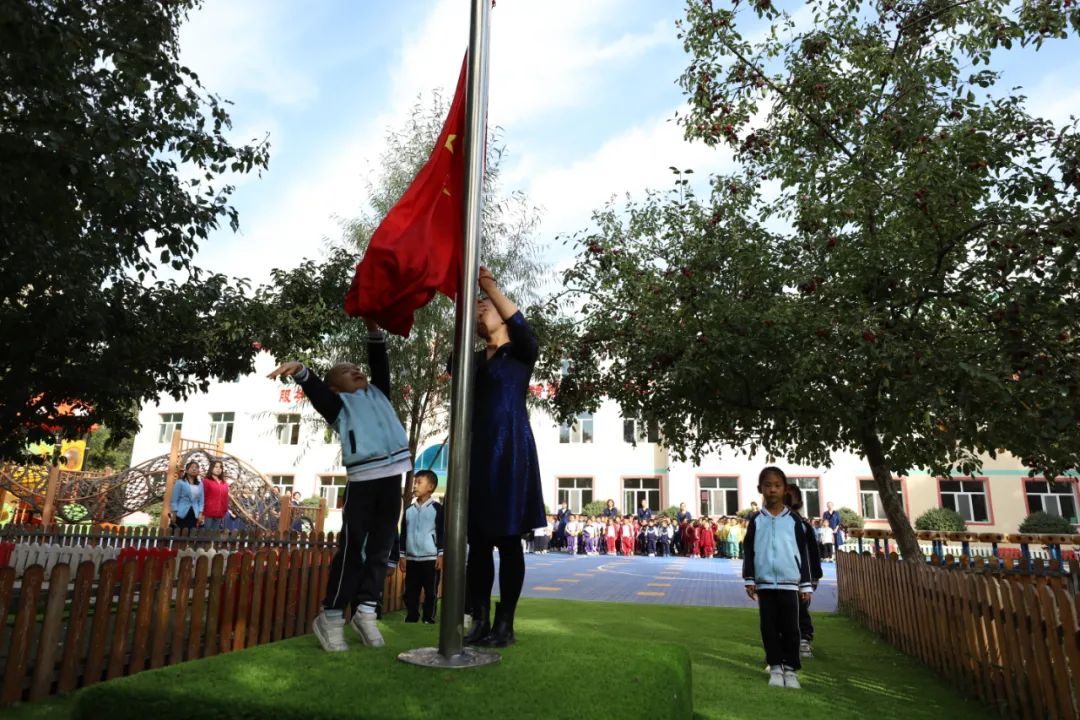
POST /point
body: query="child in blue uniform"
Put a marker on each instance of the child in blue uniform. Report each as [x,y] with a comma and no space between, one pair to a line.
[776,572]
[375,452]
[422,547]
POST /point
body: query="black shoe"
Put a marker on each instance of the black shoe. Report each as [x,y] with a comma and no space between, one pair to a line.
[412,618]
[481,625]
[502,634]
[429,621]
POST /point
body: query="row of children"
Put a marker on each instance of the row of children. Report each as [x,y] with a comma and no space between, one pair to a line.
[587,535]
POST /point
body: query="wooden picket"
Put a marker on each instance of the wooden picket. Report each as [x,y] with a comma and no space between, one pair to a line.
[103,620]
[1009,638]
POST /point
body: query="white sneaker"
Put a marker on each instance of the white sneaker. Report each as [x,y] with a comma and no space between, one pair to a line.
[806,650]
[365,626]
[791,680]
[331,633]
[776,676]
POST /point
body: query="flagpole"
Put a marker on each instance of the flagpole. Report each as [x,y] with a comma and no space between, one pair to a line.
[452,652]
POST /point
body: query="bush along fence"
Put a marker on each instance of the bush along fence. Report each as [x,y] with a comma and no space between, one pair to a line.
[156,605]
[1010,639]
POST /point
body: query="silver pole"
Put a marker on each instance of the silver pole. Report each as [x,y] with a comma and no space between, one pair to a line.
[451,630]
[452,652]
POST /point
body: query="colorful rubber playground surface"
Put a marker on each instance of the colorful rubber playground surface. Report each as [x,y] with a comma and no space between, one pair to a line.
[663,581]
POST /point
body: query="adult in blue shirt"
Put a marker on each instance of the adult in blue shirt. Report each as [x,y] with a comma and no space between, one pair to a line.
[644,513]
[832,517]
[610,511]
[683,515]
[186,504]
[505,496]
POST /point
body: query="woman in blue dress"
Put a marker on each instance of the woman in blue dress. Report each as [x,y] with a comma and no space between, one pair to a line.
[505,497]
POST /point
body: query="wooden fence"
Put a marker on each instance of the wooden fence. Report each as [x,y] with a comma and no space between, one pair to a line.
[1013,642]
[81,625]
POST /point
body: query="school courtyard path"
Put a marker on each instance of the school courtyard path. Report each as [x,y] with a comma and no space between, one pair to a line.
[662,581]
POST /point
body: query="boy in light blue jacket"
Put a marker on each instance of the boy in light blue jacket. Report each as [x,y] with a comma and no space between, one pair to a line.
[375,452]
[776,572]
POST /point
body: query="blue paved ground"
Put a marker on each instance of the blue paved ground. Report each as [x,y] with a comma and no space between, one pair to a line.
[665,581]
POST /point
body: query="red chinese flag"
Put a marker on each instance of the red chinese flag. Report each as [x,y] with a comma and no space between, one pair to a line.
[416,250]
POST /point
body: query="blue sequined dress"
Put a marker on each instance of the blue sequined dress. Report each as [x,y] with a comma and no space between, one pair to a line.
[505,496]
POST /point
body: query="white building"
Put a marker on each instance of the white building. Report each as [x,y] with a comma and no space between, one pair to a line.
[272,427]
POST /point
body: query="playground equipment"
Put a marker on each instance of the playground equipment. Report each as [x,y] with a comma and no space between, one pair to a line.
[51,493]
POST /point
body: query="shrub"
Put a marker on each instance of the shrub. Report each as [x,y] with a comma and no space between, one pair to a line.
[593,508]
[941,520]
[850,519]
[671,513]
[744,513]
[312,501]
[1040,523]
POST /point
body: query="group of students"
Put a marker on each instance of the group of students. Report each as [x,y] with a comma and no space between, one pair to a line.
[626,535]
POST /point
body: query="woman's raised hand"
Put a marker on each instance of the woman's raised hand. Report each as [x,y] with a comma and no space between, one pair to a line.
[486,279]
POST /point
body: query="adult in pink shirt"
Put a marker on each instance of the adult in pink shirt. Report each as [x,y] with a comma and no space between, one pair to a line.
[216,491]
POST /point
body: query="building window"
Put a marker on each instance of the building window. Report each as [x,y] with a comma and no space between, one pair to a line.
[332,489]
[284,483]
[870,501]
[637,431]
[967,497]
[1053,498]
[575,492]
[170,423]
[637,489]
[719,496]
[811,495]
[288,429]
[221,425]
[580,432]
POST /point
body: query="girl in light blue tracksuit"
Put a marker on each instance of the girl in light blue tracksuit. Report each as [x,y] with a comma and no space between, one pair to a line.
[776,572]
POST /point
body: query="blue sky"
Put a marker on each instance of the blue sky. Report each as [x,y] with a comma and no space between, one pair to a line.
[584,91]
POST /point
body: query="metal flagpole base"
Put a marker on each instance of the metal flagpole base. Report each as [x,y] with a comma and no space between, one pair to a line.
[430,657]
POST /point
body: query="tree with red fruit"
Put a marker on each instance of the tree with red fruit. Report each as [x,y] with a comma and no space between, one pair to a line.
[892,269]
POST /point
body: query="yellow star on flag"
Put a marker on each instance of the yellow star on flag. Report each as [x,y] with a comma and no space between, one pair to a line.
[450,142]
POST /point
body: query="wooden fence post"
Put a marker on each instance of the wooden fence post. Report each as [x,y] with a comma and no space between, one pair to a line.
[170,479]
[284,523]
[320,519]
[48,512]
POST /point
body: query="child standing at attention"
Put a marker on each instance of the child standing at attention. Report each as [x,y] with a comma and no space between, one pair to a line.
[375,453]
[708,539]
[572,530]
[422,547]
[609,536]
[776,572]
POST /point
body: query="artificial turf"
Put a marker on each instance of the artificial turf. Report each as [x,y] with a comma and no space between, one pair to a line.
[853,674]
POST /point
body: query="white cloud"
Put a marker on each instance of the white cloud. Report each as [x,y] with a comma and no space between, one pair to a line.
[239,46]
[631,162]
[545,56]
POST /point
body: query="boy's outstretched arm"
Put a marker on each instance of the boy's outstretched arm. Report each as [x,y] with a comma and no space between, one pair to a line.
[377,359]
[325,401]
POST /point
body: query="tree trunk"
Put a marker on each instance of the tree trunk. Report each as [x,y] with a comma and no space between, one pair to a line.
[890,501]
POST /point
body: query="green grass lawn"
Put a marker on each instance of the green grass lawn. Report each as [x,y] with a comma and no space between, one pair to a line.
[853,674]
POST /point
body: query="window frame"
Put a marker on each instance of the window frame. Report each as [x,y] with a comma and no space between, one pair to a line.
[859,479]
[820,492]
[286,489]
[166,438]
[1075,482]
[641,433]
[738,492]
[632,508]
[577,426]
[577,489]
[228,424]
[986,492]
[279,424]
[331,504]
